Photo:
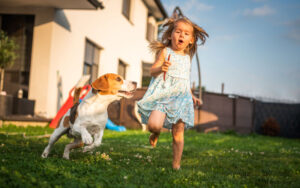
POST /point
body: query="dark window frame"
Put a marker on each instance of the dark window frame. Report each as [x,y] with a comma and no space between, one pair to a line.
[19,27]
[91,59]
[123,65]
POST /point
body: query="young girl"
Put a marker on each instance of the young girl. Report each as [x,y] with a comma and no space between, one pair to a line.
[168,101]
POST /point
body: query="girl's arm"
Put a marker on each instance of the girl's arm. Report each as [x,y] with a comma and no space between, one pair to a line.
[196,100]
[160,65]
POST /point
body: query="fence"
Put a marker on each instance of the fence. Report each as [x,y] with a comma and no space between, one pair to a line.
[286,115]
[122,112]
[240,114]
[233,112]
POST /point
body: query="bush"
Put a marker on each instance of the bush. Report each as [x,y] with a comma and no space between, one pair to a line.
[7,54]
[271,127]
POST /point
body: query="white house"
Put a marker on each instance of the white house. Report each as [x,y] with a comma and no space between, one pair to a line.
[61,40]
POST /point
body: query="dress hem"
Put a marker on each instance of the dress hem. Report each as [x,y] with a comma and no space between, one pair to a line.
[167,123]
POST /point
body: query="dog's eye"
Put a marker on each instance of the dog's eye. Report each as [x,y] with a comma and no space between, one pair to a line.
[118,79]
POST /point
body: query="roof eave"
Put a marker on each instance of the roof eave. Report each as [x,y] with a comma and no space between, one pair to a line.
[162,9]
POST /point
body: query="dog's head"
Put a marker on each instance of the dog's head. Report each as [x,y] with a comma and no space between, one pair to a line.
[113,84]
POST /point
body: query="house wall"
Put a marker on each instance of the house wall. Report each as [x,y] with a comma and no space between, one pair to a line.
[59,44]
[41,52]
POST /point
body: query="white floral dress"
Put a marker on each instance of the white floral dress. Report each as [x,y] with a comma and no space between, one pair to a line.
[172,96]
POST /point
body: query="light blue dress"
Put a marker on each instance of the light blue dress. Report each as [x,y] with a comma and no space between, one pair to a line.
[172,96]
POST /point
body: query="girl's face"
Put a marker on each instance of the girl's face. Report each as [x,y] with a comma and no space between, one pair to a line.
[182,36]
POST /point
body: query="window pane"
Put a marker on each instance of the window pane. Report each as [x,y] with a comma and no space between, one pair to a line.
[19,27]
[88,57]
[96,55]
[87,69]
[92,53]
[94,75]
[146,77]
[122,69]
[146,81]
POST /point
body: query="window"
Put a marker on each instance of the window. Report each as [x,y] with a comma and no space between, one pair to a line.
[146,77]
[126,8]
[91,60]
[122,69]
[19,27]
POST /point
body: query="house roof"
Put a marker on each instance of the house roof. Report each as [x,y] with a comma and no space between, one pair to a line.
[62,4]
[156,9]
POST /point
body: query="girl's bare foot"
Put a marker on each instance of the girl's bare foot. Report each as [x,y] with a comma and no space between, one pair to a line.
[176,166]
[153,139]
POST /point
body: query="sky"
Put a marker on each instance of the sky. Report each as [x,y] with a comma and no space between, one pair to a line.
[253,46]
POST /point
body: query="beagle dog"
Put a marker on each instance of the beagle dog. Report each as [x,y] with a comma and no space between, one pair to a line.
[85,121]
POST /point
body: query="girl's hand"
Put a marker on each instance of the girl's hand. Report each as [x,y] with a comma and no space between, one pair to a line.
[197,101]
[165,66]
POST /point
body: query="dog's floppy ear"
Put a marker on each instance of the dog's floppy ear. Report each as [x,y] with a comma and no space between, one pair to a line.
[101,83]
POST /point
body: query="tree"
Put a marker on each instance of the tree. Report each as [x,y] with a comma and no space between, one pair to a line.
[7,54]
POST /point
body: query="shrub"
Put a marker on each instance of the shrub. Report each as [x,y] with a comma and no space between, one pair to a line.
[7,54]
[271,127]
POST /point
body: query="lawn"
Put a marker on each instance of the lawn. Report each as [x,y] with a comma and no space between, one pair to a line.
[126,160]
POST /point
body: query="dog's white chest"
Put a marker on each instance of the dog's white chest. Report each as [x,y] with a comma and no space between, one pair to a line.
[93,117]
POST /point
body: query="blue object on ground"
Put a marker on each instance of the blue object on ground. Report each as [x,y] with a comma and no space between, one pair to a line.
[111,126]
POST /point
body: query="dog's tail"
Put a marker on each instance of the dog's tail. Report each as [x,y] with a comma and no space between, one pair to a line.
[73,109]
[77,92]
[78,87]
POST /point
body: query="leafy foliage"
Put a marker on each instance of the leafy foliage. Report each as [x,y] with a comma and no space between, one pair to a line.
[7,50]
[271,127]
[126,160]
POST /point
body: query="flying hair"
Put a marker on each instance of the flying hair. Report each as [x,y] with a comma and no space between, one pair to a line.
[198,33]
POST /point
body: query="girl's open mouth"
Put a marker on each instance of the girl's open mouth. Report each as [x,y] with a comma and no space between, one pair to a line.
[180,41]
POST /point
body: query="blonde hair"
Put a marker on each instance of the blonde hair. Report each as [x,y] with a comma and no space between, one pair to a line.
[198,33]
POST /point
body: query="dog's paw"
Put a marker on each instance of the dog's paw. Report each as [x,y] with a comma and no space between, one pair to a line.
[66,156]
[87,139]
[87,149]
[44,155]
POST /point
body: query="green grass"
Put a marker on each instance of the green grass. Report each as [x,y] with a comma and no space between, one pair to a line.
[209,160]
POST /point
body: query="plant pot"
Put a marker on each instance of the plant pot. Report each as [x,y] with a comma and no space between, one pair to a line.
[6,105]
[23,106]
